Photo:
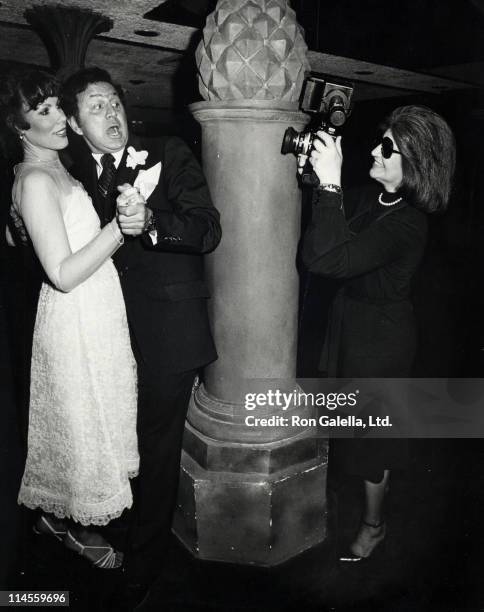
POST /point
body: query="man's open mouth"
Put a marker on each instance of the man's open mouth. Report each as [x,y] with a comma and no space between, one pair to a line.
[114,131]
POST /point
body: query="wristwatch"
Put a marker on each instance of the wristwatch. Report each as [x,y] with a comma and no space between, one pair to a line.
[151,225]
[330,187]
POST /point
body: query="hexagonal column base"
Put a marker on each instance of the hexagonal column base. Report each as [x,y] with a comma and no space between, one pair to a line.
[252,518]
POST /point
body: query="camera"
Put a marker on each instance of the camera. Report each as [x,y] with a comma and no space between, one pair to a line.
[329,101]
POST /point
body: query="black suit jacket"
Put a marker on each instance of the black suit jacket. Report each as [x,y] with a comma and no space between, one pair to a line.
[163,284]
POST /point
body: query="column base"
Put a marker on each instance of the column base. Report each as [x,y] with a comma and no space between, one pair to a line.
[248,502]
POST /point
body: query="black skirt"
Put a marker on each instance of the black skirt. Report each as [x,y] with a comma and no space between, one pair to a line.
[374,341]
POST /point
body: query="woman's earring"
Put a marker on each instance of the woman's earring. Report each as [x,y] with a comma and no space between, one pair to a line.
[21,136]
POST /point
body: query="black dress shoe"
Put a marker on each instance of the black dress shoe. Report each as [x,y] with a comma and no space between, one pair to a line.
[130,598]
[138,594]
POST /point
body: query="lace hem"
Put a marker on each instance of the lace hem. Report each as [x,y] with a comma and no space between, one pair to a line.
[85,514]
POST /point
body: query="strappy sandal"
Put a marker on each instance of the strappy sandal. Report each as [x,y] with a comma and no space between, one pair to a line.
[350,557]
[43,527]
[111,559]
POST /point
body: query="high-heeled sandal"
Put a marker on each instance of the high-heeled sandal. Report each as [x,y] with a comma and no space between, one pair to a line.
[43,527]
[111,559]
[350,557]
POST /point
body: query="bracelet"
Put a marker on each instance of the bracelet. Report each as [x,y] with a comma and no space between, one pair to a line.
[330,187]
[118,235]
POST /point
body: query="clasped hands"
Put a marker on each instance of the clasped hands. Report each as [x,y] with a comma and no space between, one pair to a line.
[132,214]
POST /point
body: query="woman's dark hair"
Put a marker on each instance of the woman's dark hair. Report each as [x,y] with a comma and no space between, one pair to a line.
[427,145]
[79,82]
[25,90]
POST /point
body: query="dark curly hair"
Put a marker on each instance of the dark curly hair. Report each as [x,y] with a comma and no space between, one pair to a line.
[25,91]
[427,145]
[79,82]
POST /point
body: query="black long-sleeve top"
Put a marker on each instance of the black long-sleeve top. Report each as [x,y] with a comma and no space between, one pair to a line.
[377,250]
[371,328]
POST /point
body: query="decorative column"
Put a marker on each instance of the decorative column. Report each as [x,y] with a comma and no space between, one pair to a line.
[66,33]
[251,492]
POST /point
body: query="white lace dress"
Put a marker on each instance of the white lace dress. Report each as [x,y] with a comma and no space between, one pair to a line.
[82,445]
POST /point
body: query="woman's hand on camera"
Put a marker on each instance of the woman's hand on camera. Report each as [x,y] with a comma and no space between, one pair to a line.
[327,158]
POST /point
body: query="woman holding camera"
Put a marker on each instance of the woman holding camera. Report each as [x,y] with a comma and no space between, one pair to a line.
[372,331]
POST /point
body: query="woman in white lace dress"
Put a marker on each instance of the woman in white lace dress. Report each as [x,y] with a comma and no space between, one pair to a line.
[82,446]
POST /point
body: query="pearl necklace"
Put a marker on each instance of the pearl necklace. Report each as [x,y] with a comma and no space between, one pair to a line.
[388,203]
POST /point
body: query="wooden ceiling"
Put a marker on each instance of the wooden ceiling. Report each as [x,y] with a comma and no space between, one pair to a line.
[146,56]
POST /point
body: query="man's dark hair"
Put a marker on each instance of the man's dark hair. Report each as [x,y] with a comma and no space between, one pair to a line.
[25,90]
[79,82]
[427,145]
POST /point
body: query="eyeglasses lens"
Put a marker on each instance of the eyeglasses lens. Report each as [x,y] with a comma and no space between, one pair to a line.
[387,149]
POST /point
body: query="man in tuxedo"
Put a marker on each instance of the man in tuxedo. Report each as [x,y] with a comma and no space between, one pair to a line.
[169,222]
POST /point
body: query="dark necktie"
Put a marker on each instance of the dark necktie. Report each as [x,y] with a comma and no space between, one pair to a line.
[105,186]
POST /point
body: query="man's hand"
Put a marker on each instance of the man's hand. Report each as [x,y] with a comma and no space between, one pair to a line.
[132,213]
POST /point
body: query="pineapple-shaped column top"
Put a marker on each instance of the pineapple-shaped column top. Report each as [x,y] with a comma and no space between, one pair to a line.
[252,49]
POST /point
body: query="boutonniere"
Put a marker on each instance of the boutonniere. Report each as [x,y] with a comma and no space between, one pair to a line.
[136,158]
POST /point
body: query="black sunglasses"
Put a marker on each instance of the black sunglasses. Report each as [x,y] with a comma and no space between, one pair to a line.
[387,149]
